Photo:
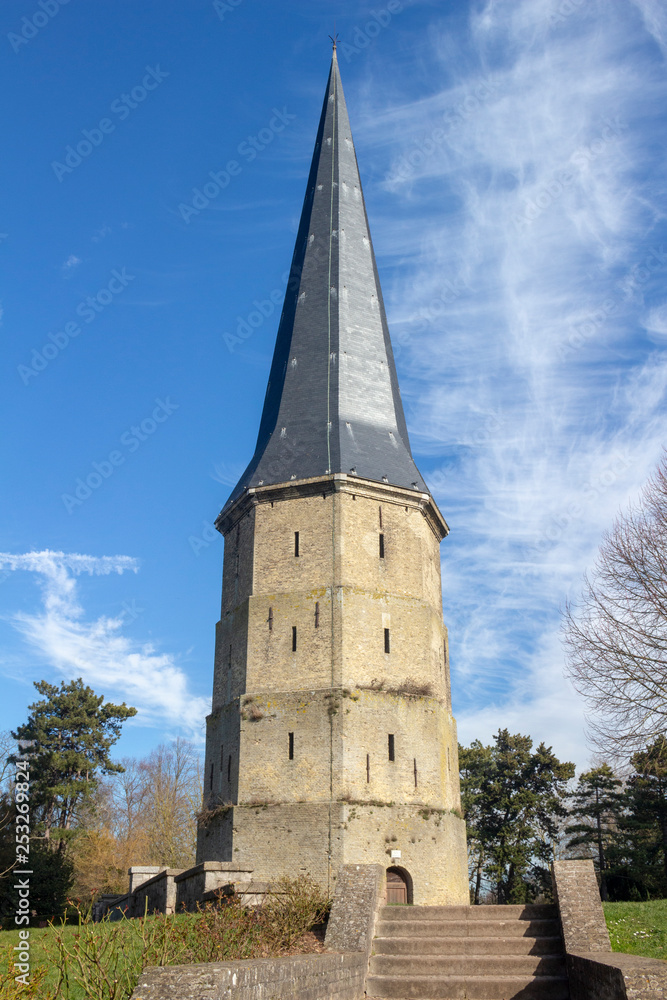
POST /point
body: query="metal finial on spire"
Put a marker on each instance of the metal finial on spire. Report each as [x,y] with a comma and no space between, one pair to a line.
[334,38]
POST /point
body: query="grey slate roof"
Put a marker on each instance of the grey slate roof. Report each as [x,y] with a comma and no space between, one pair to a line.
[332,402]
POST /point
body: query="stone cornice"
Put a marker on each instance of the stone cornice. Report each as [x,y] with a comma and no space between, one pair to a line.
[337,483]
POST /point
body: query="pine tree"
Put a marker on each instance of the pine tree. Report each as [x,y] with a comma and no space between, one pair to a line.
[474,764]
[597,804]
[518,803]
[647,813]
[71,732]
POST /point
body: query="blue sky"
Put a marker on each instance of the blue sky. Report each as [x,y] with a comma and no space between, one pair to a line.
[512,156]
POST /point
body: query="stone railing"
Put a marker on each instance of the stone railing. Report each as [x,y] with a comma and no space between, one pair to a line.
[337,975]
[195,886]
[595,971]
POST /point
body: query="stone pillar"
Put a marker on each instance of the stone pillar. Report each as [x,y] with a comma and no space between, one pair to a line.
[141,873]
[578,897]
[358,897]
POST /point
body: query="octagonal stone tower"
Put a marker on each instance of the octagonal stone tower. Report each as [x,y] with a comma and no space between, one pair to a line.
[331,739]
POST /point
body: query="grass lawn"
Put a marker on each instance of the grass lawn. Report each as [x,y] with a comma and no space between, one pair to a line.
[103,961]
[638,928]
[40,957]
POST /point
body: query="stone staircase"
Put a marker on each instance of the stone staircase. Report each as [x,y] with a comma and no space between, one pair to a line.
[471,952]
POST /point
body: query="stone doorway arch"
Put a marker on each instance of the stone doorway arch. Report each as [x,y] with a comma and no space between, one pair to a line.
[399,886]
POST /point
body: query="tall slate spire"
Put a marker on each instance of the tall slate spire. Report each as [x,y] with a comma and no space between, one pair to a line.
[332,402]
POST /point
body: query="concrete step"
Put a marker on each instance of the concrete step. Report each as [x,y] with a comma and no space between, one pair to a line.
[467,988]
[468,946]
[463,965]
[528,911]
[466,928]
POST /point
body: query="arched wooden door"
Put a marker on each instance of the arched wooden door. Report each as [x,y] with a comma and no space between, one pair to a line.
[397,887]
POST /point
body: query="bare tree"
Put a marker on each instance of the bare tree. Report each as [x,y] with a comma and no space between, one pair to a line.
[616,636]
[173,781]
[144,815]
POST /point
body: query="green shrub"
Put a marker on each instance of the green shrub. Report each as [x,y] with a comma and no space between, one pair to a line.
[103,961]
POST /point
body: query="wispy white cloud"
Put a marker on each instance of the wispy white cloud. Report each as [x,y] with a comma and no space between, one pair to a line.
[656,322]
[535,397]
[101,233]
[97,650]
[70,265]
[655,18]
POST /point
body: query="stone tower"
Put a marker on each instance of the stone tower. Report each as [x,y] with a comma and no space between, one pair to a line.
[331,739]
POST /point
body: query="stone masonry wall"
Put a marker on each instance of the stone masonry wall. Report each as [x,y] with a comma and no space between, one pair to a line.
[305,977]
[320,654]
[318,838]
[155,895]
[595,972]
[359,723]
[615,976]
[193,884]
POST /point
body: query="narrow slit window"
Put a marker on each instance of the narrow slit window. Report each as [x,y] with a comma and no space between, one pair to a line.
[229,768]
[414,763]
[237,563]
[390,746]
[368,768]
[270,619]
[229,659]
[222,756]
[296,543]
[210,779]
[291,746]
[380,513]
[317,614]
[387,643]
[294,638]
[449,761]
[381,541]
